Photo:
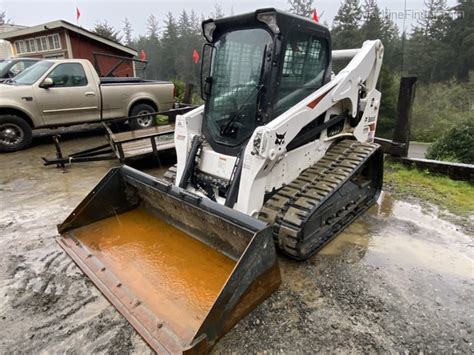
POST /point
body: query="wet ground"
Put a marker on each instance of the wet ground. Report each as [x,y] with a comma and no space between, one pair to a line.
[399,279]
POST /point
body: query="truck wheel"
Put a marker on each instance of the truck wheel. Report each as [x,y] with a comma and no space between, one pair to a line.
[15,133]
[145,122]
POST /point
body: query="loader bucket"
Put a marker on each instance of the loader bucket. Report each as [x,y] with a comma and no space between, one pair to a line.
[181,269]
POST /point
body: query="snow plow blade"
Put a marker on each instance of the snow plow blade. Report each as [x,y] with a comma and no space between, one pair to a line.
[181,269]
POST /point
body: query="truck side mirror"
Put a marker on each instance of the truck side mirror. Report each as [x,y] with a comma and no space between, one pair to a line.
[206,63]
[47,83]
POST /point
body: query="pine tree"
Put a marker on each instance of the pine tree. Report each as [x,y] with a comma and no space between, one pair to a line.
[195,22]
[218,12]
[189,39]
[127,30]
[184,24]
[152,27]
[376,25]
[168,68]
[460,35]
[301,7]
[373,21]
[435,21]
[346,31]
[102,28]
[153,48]
[3,18]
[429,55]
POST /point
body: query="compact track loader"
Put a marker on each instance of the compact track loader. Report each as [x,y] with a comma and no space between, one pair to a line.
[281,154]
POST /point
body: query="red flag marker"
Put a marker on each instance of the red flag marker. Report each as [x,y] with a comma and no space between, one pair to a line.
[195,56]
[142,55]
[314,16]
[78,13]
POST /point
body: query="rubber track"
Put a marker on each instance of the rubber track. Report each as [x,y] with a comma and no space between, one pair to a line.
[291,206]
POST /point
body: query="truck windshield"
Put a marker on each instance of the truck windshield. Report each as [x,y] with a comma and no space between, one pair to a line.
[236,69]
[33,73]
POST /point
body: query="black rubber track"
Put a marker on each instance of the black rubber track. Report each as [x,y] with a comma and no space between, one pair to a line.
[325,198]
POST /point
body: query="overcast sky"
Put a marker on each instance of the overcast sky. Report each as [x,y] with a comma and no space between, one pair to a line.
[33,12]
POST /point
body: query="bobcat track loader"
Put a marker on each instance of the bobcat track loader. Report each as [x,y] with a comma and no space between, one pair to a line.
[281,154]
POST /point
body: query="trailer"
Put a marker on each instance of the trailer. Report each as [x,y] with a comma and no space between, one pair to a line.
[126,145]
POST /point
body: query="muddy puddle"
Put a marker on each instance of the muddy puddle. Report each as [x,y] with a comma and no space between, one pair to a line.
[399,279]
[411,239]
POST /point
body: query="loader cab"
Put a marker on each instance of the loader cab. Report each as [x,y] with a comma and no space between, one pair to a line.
[255,67]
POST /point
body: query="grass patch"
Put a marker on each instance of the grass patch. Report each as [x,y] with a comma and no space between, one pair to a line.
[162,120]
[455,196]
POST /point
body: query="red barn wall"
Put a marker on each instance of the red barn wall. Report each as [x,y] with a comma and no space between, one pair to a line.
[83,48]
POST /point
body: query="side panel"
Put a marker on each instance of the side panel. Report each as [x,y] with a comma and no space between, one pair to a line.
[118,99]
[186,127]
[16,99]
[68,105]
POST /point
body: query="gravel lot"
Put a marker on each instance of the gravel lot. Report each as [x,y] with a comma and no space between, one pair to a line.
[399,279]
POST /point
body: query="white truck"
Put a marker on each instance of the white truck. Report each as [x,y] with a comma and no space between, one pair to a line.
[55,93]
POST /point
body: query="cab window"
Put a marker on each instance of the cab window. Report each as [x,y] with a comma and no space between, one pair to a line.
[303,71]
[68,75]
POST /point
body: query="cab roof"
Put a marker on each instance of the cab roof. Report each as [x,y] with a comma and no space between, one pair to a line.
[284,20]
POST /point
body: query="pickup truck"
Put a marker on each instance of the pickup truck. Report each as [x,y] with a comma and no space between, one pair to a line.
[55,93]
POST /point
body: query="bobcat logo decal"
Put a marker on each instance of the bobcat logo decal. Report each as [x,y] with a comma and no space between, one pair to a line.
[280,139]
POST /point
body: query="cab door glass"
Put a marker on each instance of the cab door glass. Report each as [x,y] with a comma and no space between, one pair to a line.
[68,75]
[303,71]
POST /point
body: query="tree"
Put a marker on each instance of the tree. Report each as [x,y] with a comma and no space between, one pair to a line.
[460,35]
[429,54]
[127,30]
[108,31]
[373,21]
[377,26]
[218,12]
[3,18]
[195,22]
[152,47]
[301,7]
[152,27]
[189,39]
[169,48]
[435,20]
[346,27]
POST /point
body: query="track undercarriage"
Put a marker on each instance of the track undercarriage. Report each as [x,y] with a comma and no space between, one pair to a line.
[325,198]
[309,212]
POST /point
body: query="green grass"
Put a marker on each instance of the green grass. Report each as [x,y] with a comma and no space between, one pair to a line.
[455,196]
[162,120]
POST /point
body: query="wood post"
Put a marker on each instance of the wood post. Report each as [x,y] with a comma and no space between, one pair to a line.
[406,96]
[188,93]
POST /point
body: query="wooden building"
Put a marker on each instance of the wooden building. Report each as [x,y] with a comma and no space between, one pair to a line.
[61,39]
